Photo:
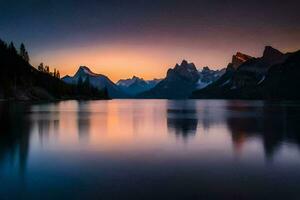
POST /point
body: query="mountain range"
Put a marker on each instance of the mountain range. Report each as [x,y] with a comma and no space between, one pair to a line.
[245,77]
[186,76]
[275,75]
[136,85]
[181,81]
[126,88]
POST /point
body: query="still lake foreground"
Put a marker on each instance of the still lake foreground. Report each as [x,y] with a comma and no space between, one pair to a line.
[150,149]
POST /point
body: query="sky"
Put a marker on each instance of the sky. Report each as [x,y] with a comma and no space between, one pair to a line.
[146,37]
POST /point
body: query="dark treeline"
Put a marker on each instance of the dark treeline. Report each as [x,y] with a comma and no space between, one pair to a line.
[21,81]
[46,69]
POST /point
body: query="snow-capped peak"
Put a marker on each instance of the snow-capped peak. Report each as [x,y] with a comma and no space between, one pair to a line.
[86,70]
[129,81]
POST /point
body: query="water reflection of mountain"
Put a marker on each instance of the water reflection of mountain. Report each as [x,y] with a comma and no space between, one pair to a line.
[83,121]
[274,124]
[14,134]
[45,117]
[182,118]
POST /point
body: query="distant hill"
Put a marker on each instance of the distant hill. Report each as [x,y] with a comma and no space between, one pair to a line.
[136,85]
[98,81]
[181,81]
[21,81]
[273,76]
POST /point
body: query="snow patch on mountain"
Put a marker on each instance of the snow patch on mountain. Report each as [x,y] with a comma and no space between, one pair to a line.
[96,80]
[208,76]
[136,85]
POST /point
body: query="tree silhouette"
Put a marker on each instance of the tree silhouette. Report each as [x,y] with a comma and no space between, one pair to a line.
[12,48]
[41,67]
[3,45]
[24,53]
[47,69]
[19,79]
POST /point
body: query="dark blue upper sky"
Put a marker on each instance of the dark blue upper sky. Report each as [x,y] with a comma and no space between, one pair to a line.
[189,28]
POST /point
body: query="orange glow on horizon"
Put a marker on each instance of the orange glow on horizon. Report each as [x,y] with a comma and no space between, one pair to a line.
[121,62]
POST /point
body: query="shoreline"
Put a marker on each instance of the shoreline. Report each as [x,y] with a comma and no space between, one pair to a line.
[142,99]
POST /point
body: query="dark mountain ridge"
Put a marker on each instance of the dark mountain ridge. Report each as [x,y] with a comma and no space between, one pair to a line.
[275,75]
[252,79]
[178,83]
[181,81]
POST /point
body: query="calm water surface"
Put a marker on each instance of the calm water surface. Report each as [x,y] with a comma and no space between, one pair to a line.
[150,149]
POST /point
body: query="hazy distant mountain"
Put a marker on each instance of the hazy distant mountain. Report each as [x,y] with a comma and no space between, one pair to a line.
[208,76]
[252,79]
[181,81]
[97,80]
[136,85]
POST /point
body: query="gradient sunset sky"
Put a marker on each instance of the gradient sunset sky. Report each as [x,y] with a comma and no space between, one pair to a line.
[146,37]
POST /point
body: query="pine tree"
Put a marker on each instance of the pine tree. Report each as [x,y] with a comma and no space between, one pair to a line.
[26,57]
[23,53]
[47,69]
[41,67]
[3,44]
[22,50]
[12,48]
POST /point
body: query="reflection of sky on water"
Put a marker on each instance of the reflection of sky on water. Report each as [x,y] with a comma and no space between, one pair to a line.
[45,143]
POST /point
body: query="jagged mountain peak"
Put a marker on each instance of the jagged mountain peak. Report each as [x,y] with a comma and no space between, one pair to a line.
[182,80]
[243,57]
[272,53]
[130,81]
[136,78]
[185,70]
[184,62]
[205,69]
[136,85]
[85,70]
[185,67]
[84,67]
[238,59]
[96,80]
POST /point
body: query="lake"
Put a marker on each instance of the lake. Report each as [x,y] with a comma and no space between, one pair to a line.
[150,149]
